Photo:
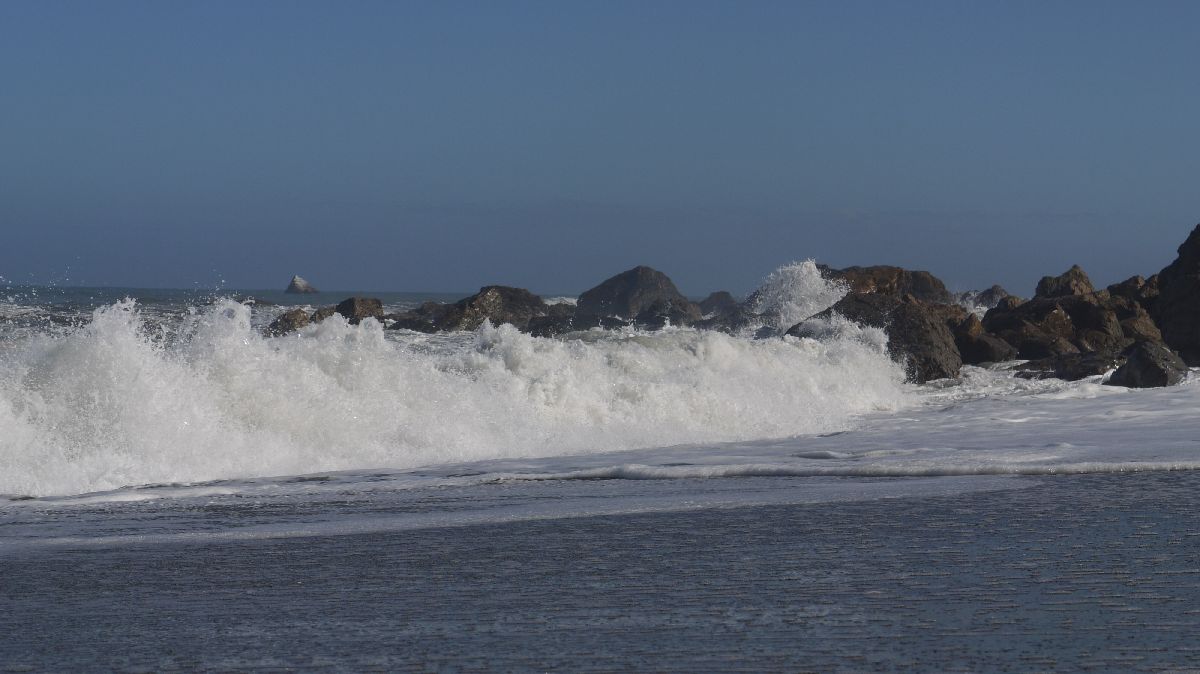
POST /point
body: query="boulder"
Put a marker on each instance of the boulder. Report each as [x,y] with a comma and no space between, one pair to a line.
[1073,282]
[639,292]
[1070,367]
[1176,310]
[718,303]
[977,346]
[322,313]
[356,309]
[300,286]
[498,304]
[288,321]
[563,319]
[1150,365]
[894,281]
[1095,322]
[917,332]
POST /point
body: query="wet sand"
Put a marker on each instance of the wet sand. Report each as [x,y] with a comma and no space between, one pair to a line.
[1098,573]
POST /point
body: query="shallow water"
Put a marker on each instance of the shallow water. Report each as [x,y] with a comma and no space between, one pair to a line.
[1063,573]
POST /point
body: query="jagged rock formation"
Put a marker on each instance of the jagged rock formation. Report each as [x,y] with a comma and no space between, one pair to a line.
[1177,308]
[1150,365]
[498,304]
[1073,282]
[896,281]
[917,332]
[357,309]
[288,321]
[300,286]
[644,295]
[1068,330]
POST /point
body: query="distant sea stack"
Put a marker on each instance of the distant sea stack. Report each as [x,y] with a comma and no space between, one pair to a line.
[299,286]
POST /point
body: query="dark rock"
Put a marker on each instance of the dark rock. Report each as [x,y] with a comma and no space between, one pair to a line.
[739,318]
[498,304]
[1071,366]
[288,321]
[977,346]
[422,319]
[1009,303]
[1176,310]
[562,319]
[1150,365]
[917,332]
[718,303]
[300,286]
[895,281]
[322,313]
[1094,322]
[1073,282]
[356,309]
[641,291]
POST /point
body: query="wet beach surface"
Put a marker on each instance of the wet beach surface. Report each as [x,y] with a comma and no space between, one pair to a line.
[1093,572]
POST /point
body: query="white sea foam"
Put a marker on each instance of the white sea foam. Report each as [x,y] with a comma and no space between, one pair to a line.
[795,292]
[116,403]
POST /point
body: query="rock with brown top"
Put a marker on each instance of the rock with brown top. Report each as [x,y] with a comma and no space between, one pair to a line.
[1073,282]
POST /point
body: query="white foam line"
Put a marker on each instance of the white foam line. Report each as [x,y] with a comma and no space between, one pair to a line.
[569,508]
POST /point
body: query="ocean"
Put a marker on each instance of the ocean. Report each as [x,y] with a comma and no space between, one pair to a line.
[144,430]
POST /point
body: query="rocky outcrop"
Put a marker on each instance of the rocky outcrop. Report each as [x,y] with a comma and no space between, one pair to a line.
[977,346]
[1070,367]
[642,294]
[917,332]
[498,304]
[357,309]
[718,303]
[1047,327]
[1073,282]
[895,281]
[1150,365]
[288,321]
[300,286]
[1177,307]
[322,313]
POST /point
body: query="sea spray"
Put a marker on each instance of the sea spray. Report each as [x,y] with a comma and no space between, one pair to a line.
[121,402]
[795,292]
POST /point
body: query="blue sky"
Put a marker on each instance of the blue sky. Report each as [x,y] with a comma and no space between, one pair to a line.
[445,145]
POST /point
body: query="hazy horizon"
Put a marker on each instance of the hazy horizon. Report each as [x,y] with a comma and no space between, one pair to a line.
[442,147]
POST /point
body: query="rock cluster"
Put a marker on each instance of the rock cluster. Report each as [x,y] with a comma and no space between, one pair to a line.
[1148,330]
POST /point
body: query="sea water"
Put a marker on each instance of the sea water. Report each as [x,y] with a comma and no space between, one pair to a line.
[121,395]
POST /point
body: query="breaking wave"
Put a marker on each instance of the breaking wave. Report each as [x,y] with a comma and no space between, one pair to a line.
[125,401]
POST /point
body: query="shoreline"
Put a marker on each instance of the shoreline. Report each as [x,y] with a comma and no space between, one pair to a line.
[1071,572]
